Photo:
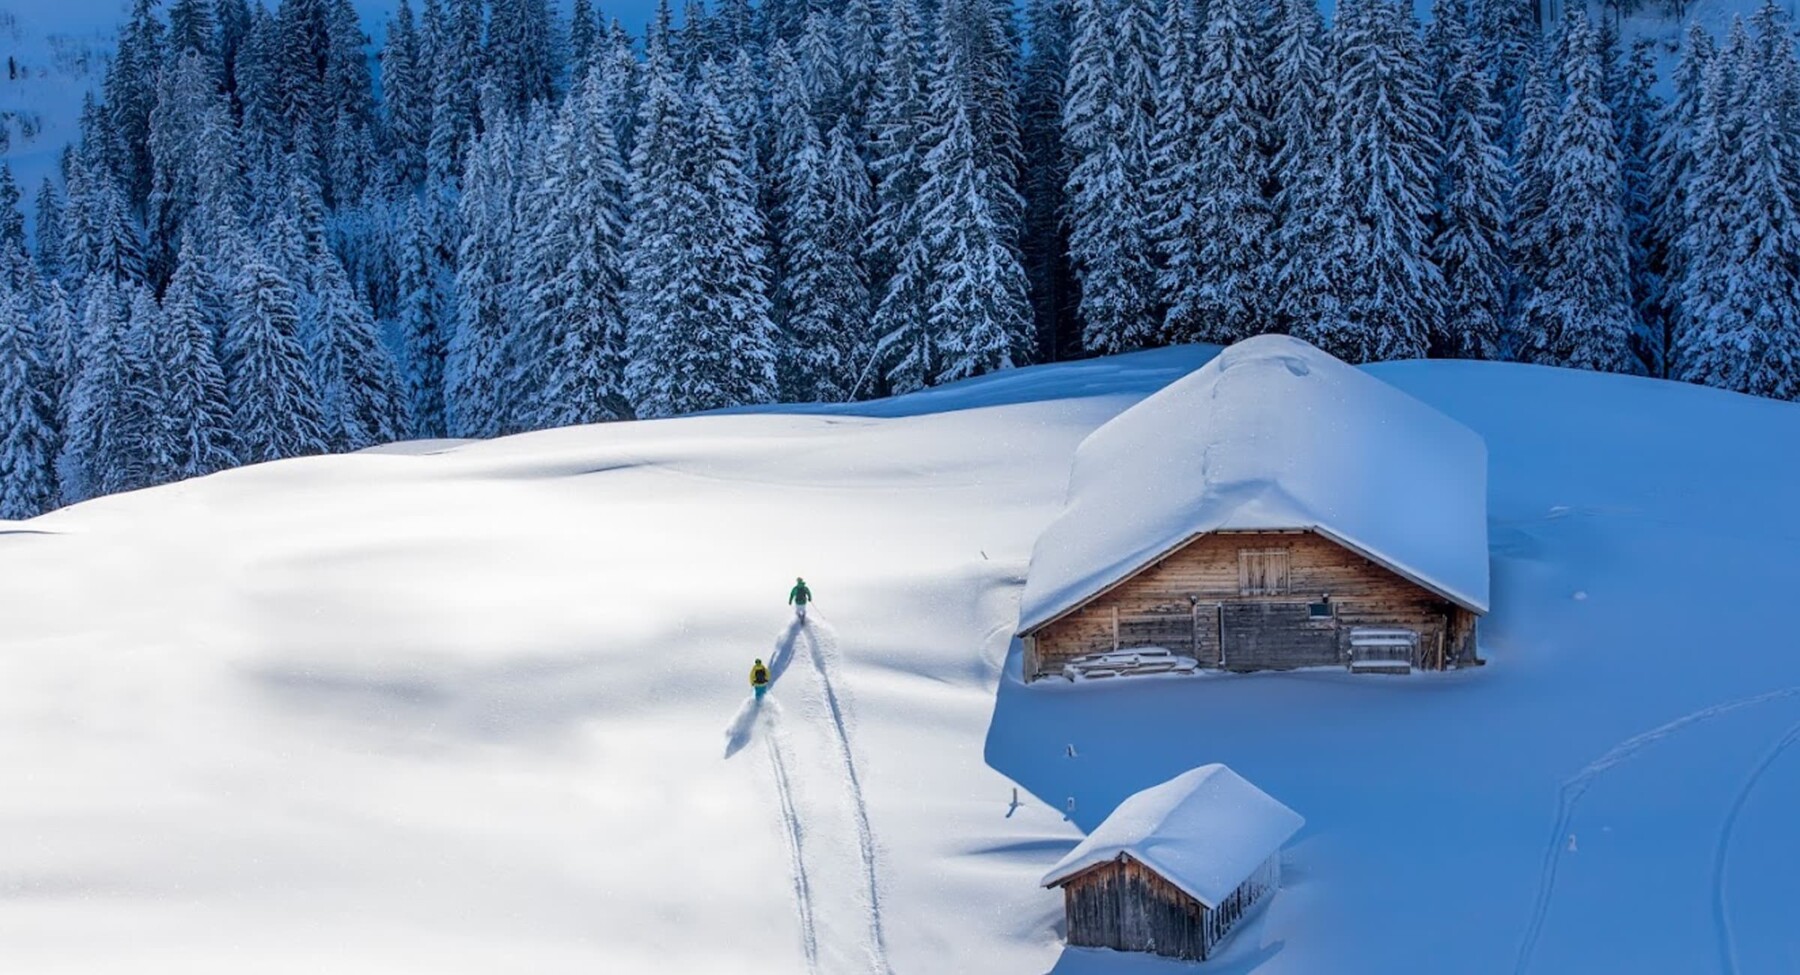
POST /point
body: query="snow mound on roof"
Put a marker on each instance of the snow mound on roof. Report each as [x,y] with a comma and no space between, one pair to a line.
[1271,434]
[1205,831]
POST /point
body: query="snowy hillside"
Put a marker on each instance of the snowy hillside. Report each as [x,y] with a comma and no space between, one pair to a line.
[479,707]
[55,53]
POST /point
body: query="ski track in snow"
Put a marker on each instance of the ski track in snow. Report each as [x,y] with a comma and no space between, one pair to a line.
[1728,961]
[1573,788]
[865,836]
[791,832]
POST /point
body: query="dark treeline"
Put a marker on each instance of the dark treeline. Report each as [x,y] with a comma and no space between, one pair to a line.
[263,247]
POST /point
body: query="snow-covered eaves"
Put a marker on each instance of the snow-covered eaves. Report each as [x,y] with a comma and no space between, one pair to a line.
[1272,435]
[1205,831]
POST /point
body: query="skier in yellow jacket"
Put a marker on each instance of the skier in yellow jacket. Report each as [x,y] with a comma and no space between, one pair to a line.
[759,678]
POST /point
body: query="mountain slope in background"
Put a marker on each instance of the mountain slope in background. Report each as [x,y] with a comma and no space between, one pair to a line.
[476,707]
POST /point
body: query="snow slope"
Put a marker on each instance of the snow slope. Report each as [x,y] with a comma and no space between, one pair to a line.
[480,707]
[55,52]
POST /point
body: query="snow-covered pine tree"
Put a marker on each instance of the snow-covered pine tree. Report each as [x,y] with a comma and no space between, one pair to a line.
[61,342]
[741,90]
[520,58]
[189,111]
[660,39]
[1671,169]
[988,34]
[27,433]
[406,96]
[1470,244]
[1215,273]
[274,403]
[360,398]
[233,30]
[1509,36]
[196,407]
[821,73]
[130,89]
[581,321]
[859,53]
[584,38]
[456,93]
[1532,180]
[652,285]
[111,246]
[1176,179]
[50,234]
[1635,110]
[790,126]
[16,266]
[1739,326]
[694,45]
[476,392]
[303,50]
[1044,240]
[258,79]
[1303,167]
[851,202]
[12,219]
[146,426]
[92,441]
[825,193]
[900,121]
[979,313]
[424,312]
[1106,129]
[1388,294]
[621,87]
[703,338]
[352,165]
[193,27]
[1579,310]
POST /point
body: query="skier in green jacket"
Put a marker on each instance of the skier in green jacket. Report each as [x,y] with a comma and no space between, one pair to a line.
[799,596]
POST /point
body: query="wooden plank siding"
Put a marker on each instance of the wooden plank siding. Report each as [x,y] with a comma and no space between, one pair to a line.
[1126,906]
[1239,600]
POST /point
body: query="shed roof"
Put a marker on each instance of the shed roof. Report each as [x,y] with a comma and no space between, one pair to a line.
[1273,434]
[1205,831]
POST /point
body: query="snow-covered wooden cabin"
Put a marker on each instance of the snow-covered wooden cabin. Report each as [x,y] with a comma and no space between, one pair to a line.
[1176,866]
[1276,508]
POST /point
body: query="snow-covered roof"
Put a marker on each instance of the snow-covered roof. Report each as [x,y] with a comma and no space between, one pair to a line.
[1272,434]
[1205,831]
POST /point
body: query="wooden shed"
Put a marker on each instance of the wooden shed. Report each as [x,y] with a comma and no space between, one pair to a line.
[1276,508]
[1176,867]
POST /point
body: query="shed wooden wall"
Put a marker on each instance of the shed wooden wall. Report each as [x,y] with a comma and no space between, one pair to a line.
[1261,631]
[1125,906]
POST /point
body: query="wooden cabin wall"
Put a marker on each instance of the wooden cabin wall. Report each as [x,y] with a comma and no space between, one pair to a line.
[1124,906]
[1262,630]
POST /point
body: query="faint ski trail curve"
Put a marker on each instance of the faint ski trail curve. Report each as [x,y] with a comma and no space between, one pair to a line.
[791,832]
[1573,788]
[865,835]
[1728,961]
